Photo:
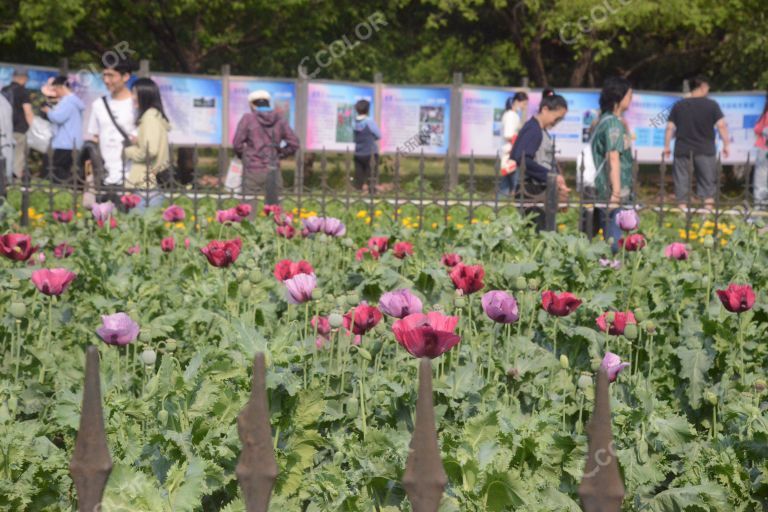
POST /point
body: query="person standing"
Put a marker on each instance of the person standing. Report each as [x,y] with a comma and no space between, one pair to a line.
[691,122]
[510,126]
[612,153]
[18,96]
[111,120]
[365,133]
[760,182]
[263,137]
[67,120]
[552,110]
[149,152]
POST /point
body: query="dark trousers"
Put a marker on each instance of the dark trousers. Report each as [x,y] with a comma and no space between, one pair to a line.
[62,166]
[366,167]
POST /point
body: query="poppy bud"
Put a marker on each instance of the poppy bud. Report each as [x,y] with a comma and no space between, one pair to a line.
[640,314]
[145,336]
[17,309]
[650,327]
[255,276]
[630,331]
[564,364]
[317,293]
[610,316]
[710,397]
[353,299]
[170,344]
[148,357]
[533,283]
[507,231]
[760,385]
[352,406]
[759,223]
[513,373]
[520,283]
[347,242]
[709,242]
[335,320]
[696,265]
[163,417]
[585,380]
[459,302]
[246,287]
[13,403]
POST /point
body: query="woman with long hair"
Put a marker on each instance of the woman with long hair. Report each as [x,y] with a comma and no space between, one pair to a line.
[612,152]
[760,181]
[149,152]
[510,125]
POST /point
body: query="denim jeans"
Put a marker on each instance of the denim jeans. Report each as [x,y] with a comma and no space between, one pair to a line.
[760,182]
[610,228]
[155,199]
[508,184]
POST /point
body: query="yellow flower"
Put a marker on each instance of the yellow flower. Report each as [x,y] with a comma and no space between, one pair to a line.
[179,225]
[167,224]
[474,221]
[723,242]
[459,226]
[694,235]
[209,219]
[361,214]
[709,224]
[367,220]
[399,211]
[377,213]
[681,232]
[434,225]
[449,218]
[414,226]
[295,211]
[561,227]
[79,215]
[667,224]
[193,218]
[486,221]
[695,225]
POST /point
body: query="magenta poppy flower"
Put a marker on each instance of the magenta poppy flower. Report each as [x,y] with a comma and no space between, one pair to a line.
[620,321]
[468,278]
[187,243]
[118,329]
[17,246]
[54,281]
[334,227]
[243,210]
[500,307]
[363,251]
[130,201]
[323,329]
[737,298]
[402,250]
[632,242]
[134,249]
[627,220]
[112,223]
[612,365]
[64,217]
[429,335]
[102,211]
[400,303]
[222,253]
[286,269]
[168,244]
[63,250]
[450,260]
[229,215]
[559,305]
[313,224]
[174,213]
[361,319]
[286,231]
[379,244]
[676,251]
[299,288]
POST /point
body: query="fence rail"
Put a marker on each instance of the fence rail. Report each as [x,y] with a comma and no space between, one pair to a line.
[424,479]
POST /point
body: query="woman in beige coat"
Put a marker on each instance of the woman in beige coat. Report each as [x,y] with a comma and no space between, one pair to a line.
[149,154]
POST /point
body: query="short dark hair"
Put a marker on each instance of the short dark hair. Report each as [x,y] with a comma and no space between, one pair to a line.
[614,90]
[697,81]
[552,101]
[519,96]
[124,66]
[363,107]
[148,96]
[60,80]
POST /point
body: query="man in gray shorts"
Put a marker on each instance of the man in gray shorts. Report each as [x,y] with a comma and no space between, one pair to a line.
[692,122]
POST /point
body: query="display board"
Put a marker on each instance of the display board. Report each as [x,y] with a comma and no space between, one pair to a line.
[573,131]
[415,119]
[647,122]
[37,76]
[283,100]
[742,111]
[194,107]
[481,111]
[331,114]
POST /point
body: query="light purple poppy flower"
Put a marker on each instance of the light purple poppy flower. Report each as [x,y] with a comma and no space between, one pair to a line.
[313,224]
[300,287]
[612,365]
[616,264]
[400,303]
[334,227]
[102,211]
[500,307]
[118,329]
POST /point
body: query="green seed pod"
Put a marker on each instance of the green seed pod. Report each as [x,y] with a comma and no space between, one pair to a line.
[347,242]
[585,380]
[564,364]
[507,231]
[640,314]
[255,276]
[317,293]
[709,242]
[459,302]
[171,344]
[533,283]
[17,309]
[630,331]
[148,357]
[760,385]
[353,299]
[144,336]
[650,327]
[696,265]
[521,283]
[335,320]
[610,316]
[710,397]
[246,287]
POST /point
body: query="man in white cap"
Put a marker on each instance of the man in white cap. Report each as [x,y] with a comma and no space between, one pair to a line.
[18,96]
[262,138]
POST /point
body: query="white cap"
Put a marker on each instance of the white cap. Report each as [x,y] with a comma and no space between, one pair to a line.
[261,94]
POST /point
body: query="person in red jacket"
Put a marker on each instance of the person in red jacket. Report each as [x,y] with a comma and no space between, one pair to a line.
[262,138]
[760,182]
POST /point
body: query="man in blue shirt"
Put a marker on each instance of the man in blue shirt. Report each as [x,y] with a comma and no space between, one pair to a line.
[67,120]
[366,133]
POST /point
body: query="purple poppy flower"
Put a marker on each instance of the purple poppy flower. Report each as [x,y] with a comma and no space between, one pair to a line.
[500,307]
[118,329]
[400,303]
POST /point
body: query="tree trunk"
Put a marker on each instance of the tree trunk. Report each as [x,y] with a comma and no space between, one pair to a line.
[581,69]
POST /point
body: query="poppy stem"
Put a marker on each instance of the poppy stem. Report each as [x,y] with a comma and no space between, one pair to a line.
[17,351]
[362,397]
[709,277]
[554,337]
[741,349]
[119,376]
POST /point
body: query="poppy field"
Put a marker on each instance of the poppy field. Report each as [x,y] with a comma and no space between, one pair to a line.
[516,323]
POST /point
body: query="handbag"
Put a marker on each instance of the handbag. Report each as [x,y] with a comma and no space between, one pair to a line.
[234,179]
[586,161]
[39,135]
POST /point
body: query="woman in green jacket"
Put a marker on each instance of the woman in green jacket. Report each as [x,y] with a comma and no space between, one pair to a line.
[149,153]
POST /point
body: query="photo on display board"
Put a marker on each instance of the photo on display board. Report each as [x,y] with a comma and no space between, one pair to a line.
[431,125]
[345,117]
[498,113]
[204,102]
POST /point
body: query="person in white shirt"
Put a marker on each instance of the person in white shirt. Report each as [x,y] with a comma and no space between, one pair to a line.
[510,125]
[101,127]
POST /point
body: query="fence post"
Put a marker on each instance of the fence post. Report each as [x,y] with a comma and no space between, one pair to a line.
[91,463]
[551,203]
[601,488]
[302,98]
[143,68]
[257,468]
[64,66]
[424,479]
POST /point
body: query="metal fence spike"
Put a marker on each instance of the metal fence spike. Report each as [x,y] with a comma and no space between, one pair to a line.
[424,479]
[91,464]
[256,469]
[601,488]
